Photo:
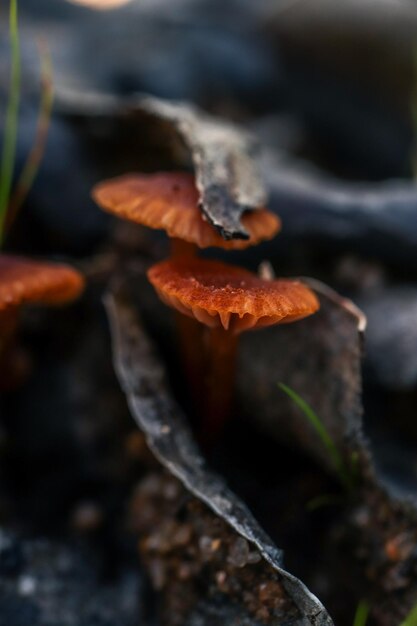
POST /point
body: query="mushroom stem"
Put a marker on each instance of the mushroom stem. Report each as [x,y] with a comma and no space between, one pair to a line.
[8,324]
[12,363]
[181,248]
[216,404]
[190,334]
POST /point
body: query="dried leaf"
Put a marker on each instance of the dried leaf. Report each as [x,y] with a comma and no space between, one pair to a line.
[223,155]
[320,359]
[373,217]
[142,378]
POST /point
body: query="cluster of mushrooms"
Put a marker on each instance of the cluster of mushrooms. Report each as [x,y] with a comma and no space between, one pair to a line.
[214,302]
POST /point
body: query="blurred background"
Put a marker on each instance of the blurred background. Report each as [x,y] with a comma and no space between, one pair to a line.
[329,89]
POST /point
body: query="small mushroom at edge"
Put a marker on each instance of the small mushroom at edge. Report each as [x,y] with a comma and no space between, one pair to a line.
[24,281]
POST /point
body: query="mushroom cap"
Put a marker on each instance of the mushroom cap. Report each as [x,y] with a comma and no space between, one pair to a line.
[169,201]
[218,295]
[23,280]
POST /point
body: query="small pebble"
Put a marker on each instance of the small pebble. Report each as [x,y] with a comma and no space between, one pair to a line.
[239,553]
[399,547]
[254,557]
[135,445]
[87,517]
[185,571]
[26,585]
[182,535]
[171,490]
[157,573]
[221,580]
[262,614]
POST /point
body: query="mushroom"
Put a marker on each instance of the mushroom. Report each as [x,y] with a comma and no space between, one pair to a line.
[25,281]
[169,201]
[227,300]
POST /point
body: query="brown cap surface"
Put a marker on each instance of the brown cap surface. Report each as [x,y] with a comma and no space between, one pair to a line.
[169,201]
[23,280]
[217,294]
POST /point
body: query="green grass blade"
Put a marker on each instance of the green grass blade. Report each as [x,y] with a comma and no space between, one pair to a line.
[326,439]
[35,156]
[12,112]
[411,619]
[361,614]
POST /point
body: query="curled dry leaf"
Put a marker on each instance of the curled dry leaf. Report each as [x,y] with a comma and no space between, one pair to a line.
[321,360]
[223,155]
[392,313]
[210,507]
[224,160]
[227,162]
[375,218]
[322,364]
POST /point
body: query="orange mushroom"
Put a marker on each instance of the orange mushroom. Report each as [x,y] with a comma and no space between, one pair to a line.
[227,300]
[169,201]
[25,281]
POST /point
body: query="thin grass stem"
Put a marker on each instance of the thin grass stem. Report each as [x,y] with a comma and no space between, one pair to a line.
[361,614]
[34,159]
[11,121]
[343,472]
